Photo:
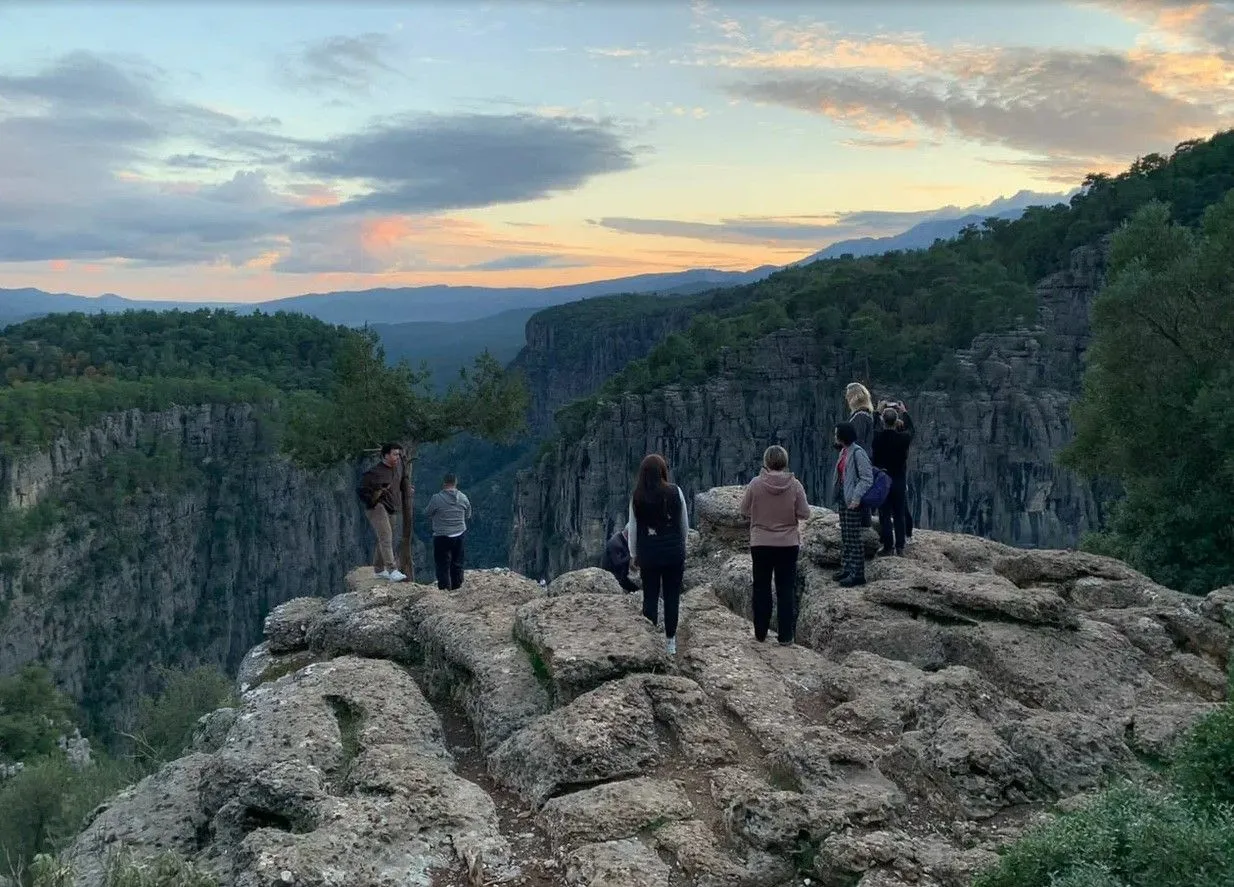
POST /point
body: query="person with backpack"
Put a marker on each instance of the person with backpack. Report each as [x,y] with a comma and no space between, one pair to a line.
[449,510]
[616,559]
[377,494]
[891,444]
[853,479]
[657,528]
[774,502]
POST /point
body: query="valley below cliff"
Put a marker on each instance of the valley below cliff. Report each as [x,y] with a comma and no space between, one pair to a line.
[161,539]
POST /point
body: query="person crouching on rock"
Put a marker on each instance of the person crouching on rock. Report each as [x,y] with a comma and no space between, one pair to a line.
[377,493]
[657,528]
[449,510]
[853,479]
[774,502]
[616,559]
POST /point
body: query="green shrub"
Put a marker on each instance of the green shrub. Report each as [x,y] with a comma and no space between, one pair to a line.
[169,869]
[165,723]
[1204,764]
[1128,837]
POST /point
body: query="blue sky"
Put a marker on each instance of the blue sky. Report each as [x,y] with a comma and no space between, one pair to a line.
[243,151]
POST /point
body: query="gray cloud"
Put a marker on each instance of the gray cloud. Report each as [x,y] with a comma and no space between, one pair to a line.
[818,230]
[521,262]
[346,63]
[1056,102]
[85,172]
[437,162]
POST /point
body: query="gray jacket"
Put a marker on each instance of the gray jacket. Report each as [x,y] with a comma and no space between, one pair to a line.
[449,510]
[857,478]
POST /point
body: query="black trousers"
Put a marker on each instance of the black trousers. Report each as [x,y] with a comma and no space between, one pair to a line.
[664,581]
[448,558]
[853,549]
[893,515]
[778,562]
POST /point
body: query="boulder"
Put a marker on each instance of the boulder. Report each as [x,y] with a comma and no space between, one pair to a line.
[627,863]
[591,580]
[614,810]
[820,540]
[286,627]
[582,640]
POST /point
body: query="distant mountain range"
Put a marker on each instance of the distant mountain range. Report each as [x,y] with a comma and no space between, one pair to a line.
[946,224]
[438,303]
[446,326]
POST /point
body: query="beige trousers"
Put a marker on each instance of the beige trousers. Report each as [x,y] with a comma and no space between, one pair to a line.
[383,554]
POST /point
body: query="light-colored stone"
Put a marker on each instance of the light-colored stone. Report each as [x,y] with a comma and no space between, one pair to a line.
[589,580]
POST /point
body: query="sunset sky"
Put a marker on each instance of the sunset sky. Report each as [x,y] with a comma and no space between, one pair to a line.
[244,151]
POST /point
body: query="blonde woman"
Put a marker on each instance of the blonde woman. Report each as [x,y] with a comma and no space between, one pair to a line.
[861,407]
[774,502]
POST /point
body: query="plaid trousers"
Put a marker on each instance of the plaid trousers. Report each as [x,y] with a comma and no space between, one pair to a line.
[853,560]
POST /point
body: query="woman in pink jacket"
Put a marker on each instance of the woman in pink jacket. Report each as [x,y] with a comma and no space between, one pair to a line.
[774,502]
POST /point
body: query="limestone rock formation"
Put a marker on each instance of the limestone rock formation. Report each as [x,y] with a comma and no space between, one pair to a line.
[982,462]
[500,735]
[165,578]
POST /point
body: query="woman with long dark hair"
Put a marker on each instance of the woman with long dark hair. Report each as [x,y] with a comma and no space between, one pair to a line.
[657,528]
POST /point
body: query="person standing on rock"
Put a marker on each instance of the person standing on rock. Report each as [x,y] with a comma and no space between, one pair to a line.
[861,405]
[377,493]
[657,529]
[774,502]
[616,559]
[891,443]
[449,510]
[853,478]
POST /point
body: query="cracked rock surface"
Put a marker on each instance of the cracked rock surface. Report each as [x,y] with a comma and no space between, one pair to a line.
[510,734]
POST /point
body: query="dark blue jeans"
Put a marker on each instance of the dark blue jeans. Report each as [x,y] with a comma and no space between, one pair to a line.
[893,515]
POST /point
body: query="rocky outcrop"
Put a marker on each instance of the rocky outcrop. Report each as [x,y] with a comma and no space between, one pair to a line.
[983,458]
[565,359]
[177,532]
[499,735]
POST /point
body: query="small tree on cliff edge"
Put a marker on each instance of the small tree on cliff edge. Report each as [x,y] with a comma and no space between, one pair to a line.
[371,401]
[1157,410]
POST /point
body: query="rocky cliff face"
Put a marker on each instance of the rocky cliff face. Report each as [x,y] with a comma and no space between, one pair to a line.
[508,734]
[178,564]
[564,360]
[983,456]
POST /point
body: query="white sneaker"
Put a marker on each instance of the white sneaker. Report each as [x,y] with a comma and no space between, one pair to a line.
[670,645]
[384,574]
[397,576]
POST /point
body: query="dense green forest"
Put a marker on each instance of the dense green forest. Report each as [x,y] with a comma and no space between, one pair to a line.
[1157,410]
[903,312]
[61,372]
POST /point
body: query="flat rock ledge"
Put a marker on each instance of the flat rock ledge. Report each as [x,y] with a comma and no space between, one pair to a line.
[511,734]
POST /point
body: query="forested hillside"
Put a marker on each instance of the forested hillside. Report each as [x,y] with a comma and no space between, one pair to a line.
[986,333]
[60,372]
[901,313]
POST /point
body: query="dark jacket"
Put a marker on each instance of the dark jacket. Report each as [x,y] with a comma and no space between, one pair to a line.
[891,448]
[617,555]
[379,485]
[657,532]
[863,424]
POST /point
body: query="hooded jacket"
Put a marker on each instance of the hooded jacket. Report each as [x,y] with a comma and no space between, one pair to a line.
[449,510]
[774,502]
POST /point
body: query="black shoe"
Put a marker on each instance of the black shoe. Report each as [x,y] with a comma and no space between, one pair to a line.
[761,640]
[840,575]
[852,581]
[886,552]
[786,643]
[899,552]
